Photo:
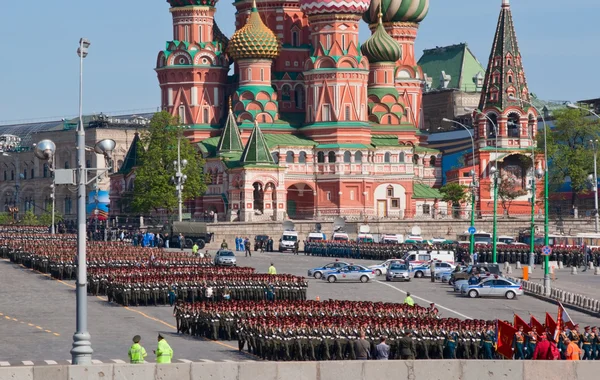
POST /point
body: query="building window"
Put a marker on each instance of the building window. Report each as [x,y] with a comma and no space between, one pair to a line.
[395,203]
[200,30]
[386,157]
[216,96]
[426,209]
[432,161]
[343,42]
[170,97]
[326,112]
[68,205]
[401,157]
[66,164]
[320,157]
[299,97]
[385,77]
[88,163]
[12,175]
[182,114]
[347,113]
[416,159]
[262,75]
[351,195]
[275,157]
[328,41]
[390,191]
[358,157]
[331,156]
[249,74]
[295,38]
[328,195]
[347,157]
[302,157]
[32,174]
[187,33]
[194,95]
[24,173]
[510,79]
[176,33]
[46,169]
[205,115]
[289,157]
[5,175]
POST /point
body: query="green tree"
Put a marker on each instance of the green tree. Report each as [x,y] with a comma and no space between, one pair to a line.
[29,219]
[508,191]
[454,194]
[46,218]
[153,188]
[569,152]
[6,218]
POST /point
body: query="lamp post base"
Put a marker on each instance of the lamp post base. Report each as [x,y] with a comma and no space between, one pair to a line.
[546,285]
[81,353]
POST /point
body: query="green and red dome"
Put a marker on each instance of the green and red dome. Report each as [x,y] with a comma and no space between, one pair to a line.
[397,10]
[186,3]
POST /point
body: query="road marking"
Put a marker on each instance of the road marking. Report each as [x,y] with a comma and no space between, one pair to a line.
[27,362]
[96,361]
[184,360]
[228,361]
[250,361]
[15,319]
[118,361]
[57,334]
[48,331]
[38,327]
[426,301]
[4,364]
[50,362]
[206,361]
[30,324]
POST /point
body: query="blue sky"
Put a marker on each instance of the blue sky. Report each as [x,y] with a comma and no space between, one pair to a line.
[40,66]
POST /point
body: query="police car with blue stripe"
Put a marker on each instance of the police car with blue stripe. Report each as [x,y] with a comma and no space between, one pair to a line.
[350,272]
[494,286]
[318,272]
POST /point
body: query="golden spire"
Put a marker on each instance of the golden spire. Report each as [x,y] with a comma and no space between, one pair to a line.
[230,102]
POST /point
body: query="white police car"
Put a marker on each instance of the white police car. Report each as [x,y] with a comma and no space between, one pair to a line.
[350,272]
[493,287]
[383,267]
[318,272]
[425,270]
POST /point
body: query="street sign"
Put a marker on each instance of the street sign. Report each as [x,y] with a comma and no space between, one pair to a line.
[472,230]
[546,251]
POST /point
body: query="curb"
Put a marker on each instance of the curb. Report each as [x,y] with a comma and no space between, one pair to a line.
[566,305]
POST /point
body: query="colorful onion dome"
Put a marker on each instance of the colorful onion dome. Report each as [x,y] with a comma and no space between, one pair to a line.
[315,7]
[185,3]
[254,40]
[397,10]
[381,47]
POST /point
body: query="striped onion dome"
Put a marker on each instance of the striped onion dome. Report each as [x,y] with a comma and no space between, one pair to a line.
[397,10]
[186,3]
[380,47]
[316,7]
[254,40]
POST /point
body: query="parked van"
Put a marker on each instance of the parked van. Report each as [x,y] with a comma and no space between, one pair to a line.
[424,256]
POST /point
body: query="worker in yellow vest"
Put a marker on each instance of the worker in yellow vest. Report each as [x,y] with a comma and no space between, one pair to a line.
[163,352]
[137,353]
[272,269]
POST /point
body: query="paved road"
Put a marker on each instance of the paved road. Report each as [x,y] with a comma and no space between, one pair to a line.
[584,283]
[38,314]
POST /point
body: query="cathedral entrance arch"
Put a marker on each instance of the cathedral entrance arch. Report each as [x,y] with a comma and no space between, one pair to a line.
[258,197]
[300,201]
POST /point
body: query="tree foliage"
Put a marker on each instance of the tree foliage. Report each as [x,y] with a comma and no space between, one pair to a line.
[46,218]
[508,191]
[569,151]
[6,218]
[153,188]
[454,193]
[29,219]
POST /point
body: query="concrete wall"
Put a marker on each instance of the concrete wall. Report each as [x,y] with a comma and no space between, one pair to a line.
[447,228]
[350,370]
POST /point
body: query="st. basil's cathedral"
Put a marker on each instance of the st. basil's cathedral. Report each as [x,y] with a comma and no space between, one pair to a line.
[312,123]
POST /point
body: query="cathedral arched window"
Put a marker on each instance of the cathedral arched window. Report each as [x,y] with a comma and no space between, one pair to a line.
[416,159]
[295,41]
[432,161]
[386,157]
[299,97]
[331,156]
[401,157]
[347,157]
[302,157]
[358,156]
[491,123]
[320,157]
[275,157]
[289,157]
[513,125]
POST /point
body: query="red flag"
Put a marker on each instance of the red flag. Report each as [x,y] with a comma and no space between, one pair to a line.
[520,322]
[538,326]
[551,326]
[506,334]
[563,319]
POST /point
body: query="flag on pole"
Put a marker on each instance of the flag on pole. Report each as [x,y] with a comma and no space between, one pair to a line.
[563,319]
[520,322]
[538,326]
[504,338]
[551,326]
